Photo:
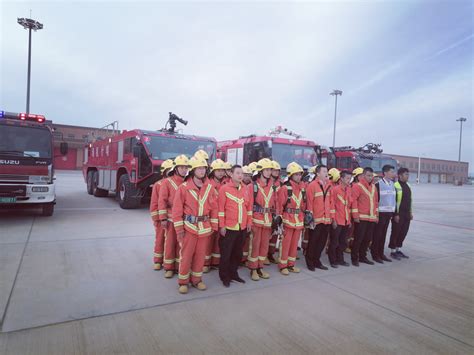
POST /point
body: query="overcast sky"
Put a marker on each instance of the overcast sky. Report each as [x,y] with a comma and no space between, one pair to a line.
[405,68]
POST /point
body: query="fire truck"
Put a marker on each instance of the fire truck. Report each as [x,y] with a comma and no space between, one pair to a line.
[348,158]
[27,162]
[128,163]
[247,149]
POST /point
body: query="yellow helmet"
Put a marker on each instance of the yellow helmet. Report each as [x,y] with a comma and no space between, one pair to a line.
[247,170]
[228,165]
[167,164]
[264,163]
[197,163]
[334,174]
[217,164]
[202,154]
[293,168]
[312,170]
[253,166]
[357,171]
[276,165]
[181,160]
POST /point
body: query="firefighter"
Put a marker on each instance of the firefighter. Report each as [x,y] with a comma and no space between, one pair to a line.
[202,154]
[165,201]
[159,232]
[264,197]
[355,174]
[216,179]
[334,176]
[386,193]
[355,179]
[247,181]
[195,218]
[403,214]
[247,175]
[321,209]
[365,215]
[341,198]
[276,173]
[292,204]
[235,219]
[228,173]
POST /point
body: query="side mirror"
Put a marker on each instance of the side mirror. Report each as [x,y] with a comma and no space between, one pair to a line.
[63,148]
[136,151]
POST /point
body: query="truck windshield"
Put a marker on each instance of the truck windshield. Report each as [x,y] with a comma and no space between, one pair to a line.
[287,153]
[25,141]
[376,163]
[162,148]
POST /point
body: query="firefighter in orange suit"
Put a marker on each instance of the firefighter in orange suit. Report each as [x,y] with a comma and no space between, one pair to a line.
[334,176]
[159,233]
[202,154]
[165,201]
[276,172]
[235,219]
[264,197]
[355,179]
[321,208]
[248,172]
[194,214]
[217,179]
[292,204]
[341,197]
[365,214]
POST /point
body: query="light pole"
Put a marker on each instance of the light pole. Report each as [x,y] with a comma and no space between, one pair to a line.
[29,24]
[461,119]
[335,93]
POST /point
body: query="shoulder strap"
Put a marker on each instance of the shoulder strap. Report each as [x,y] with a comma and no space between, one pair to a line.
[290,194]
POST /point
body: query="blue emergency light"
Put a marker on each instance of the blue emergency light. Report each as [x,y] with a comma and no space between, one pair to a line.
[2,114]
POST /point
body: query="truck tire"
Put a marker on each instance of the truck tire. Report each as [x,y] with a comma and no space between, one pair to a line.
[97,192]
[89,182]
[127,193]
[48,209]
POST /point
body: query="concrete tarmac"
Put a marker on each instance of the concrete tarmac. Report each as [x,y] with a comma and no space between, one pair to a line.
[81,282]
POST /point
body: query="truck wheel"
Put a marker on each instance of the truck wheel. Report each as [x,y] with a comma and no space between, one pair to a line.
[48,209]
[97,192]
[89,182]
[127,193]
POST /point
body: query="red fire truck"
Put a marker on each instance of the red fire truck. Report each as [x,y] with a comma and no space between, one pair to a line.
[252,148]
[27,162]
[128,163]
[370,155]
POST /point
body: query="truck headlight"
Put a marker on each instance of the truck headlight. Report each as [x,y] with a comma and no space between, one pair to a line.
[40,189]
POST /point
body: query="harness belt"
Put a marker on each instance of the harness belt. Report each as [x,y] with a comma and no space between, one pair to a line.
[195,219]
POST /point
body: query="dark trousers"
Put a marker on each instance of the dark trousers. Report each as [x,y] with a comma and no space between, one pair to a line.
[362,237]
[317,241]
[231,248]
[380,234]
[399,231]
[337,244]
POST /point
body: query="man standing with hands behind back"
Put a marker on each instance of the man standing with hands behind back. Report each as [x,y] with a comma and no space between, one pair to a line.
[235,220]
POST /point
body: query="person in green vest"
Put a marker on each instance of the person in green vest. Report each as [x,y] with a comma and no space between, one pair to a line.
[403,214]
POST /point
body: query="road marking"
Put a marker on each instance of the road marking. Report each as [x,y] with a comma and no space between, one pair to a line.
[16,275]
